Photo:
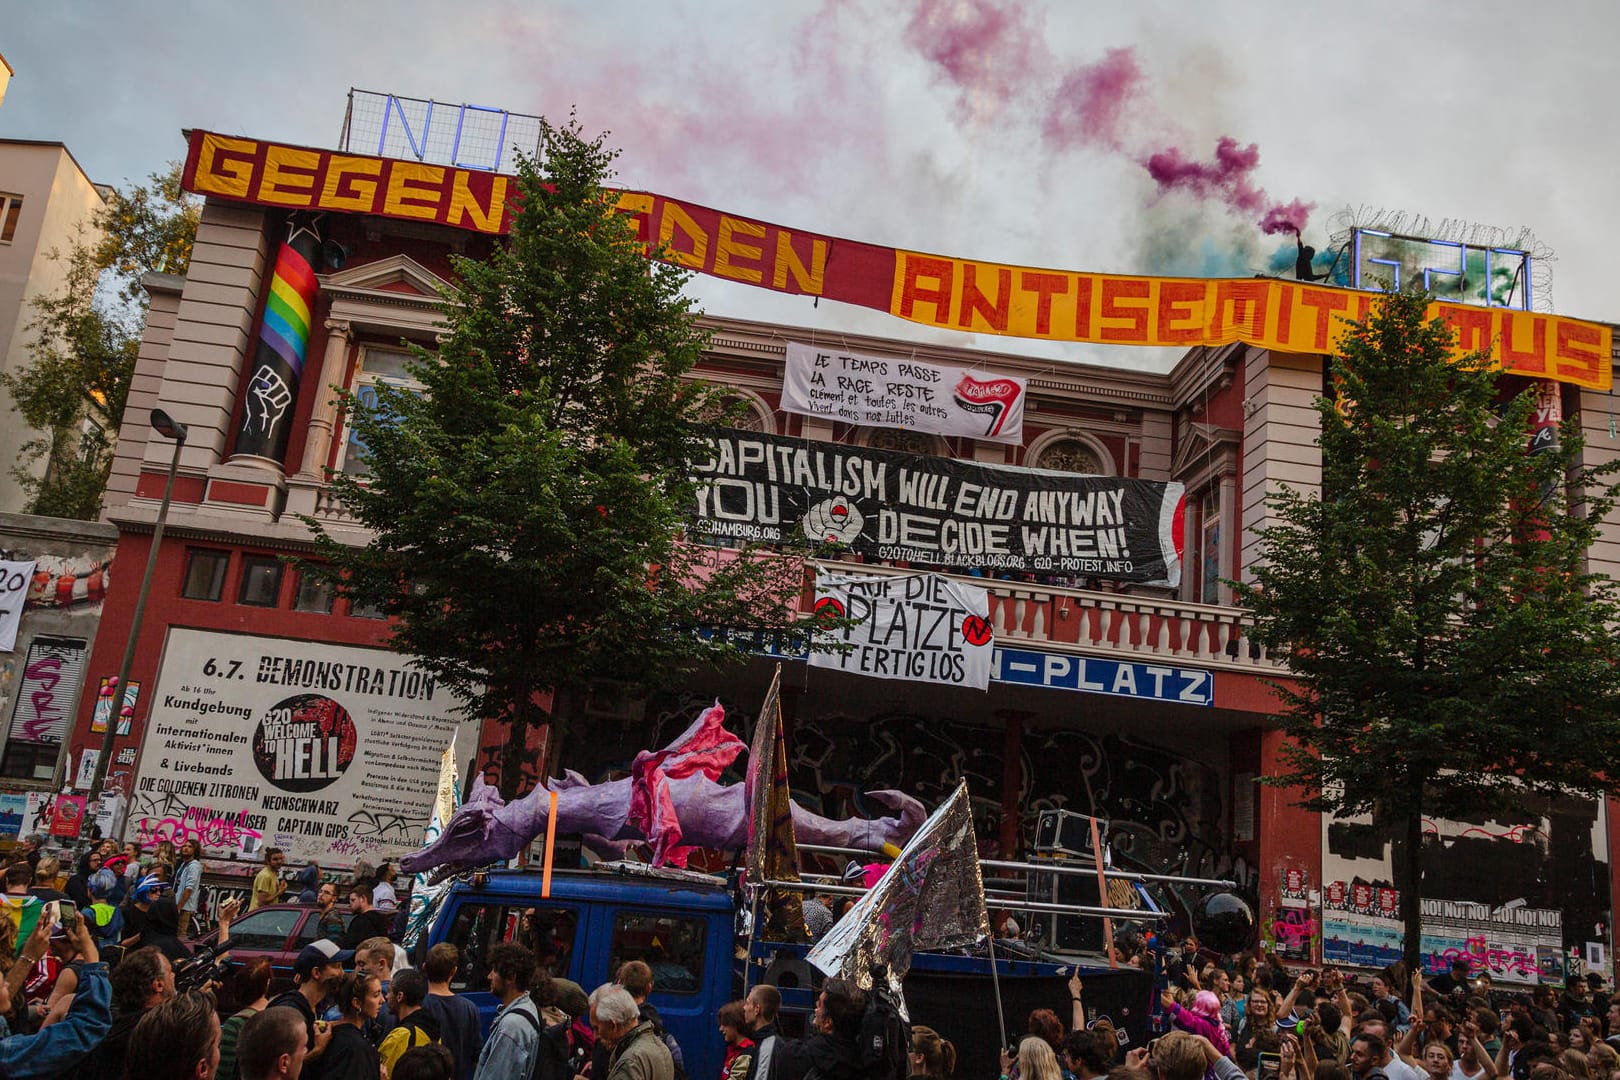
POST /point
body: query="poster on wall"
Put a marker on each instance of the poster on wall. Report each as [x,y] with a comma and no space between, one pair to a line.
[67,818]
[329,752]
[950,514]
[1494,893]
[37,813]
[15,577]
[51,676]
[104,705]
[880,391]
[1293,929]
[921,627]
[13,808]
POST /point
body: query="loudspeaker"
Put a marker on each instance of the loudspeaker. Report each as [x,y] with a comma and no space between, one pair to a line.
[1066,933]
[1064,832]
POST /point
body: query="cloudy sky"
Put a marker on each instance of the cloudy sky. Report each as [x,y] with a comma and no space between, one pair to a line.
[1031,133]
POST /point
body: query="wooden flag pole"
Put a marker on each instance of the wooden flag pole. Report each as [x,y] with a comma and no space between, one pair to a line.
[1102,893]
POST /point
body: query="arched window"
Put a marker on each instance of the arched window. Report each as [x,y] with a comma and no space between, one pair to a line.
[904,441]
[1072,455]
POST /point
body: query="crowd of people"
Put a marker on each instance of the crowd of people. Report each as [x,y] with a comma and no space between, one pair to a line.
[1322,1025]
[358,1010]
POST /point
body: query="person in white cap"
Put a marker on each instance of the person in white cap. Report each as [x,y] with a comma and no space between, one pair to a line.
[315,971]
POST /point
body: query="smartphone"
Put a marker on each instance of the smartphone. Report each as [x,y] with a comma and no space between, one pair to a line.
[1270,1067]
[67,916]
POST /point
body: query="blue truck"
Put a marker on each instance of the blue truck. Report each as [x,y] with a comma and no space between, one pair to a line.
[685,926]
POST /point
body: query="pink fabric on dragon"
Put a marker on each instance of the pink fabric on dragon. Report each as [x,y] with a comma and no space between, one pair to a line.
[706,747]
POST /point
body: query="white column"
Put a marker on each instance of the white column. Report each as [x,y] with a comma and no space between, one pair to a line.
[323,417]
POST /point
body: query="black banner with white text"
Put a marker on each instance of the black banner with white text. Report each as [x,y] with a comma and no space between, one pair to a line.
[960,515]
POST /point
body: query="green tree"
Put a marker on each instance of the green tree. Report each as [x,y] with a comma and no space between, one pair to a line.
[85,339]
[528,507]
[1451,652]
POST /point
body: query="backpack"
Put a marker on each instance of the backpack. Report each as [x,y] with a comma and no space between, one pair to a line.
[885,1040]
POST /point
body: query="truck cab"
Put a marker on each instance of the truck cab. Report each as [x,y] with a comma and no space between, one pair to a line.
[680,924]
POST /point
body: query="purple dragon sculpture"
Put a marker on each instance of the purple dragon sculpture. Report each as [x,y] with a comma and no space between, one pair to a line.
[673,800]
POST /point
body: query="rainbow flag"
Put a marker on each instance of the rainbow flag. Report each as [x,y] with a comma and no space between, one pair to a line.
[23,913]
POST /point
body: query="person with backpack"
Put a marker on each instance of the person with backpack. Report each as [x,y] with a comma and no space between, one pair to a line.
[508,1053]
[567,1042]
[413,1025]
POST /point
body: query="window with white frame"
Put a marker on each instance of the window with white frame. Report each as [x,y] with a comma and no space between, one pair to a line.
[377,365]
[10,212]
[1209,546]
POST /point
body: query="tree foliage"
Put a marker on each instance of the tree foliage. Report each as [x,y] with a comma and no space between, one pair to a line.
[85,337]
[1451,653]
[529,505]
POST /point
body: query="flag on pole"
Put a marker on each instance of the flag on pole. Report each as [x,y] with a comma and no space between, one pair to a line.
[932,897]
[426,896]
[773,853]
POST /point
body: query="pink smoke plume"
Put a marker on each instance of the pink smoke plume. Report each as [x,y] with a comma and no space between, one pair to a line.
[989,47]
[1090,103]
[1227,177]
[1287,217]
[985,47]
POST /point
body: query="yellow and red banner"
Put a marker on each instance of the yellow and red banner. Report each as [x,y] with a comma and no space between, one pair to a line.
[934,290]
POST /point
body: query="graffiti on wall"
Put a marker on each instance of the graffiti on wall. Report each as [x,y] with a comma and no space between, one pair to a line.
[1164,809]
[1521,896]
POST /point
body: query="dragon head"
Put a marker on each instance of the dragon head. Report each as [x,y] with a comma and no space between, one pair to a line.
[465,840]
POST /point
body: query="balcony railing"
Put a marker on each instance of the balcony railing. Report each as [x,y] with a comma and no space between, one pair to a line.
[1114,624]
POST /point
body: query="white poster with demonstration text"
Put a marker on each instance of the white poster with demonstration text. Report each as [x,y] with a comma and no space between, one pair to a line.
[15,577]
[881,391]
[922,627]
[327,751]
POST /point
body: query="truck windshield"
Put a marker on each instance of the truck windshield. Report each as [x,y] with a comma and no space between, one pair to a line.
[479,927]
[671,945]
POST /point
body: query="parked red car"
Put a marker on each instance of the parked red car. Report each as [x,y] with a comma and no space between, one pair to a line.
[278,932]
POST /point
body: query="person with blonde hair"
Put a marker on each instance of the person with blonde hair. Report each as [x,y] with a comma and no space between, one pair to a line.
[931,1055]
[1037,1060]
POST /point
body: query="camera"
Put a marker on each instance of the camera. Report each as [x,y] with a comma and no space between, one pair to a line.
[204,967]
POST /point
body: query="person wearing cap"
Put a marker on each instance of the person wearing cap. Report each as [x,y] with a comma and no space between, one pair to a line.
[106,921]
[318,968]
[566,1044]
[139,904]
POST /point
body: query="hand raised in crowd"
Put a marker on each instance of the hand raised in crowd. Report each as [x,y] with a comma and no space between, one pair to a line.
[1136,1059]
[1006,1061]
[38,943]
[84,941]
[1305,981]
[1075,985]
[1167,998]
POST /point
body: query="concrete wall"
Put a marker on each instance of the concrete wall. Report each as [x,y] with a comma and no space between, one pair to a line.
[57,198]
[72,571]
[1280,429]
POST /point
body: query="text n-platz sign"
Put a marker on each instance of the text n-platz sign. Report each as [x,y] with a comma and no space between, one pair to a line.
[1094,675]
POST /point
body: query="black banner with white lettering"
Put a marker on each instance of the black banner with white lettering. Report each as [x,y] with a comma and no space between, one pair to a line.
[960,515]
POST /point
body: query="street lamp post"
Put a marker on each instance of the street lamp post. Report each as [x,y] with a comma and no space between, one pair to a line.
[169,428]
